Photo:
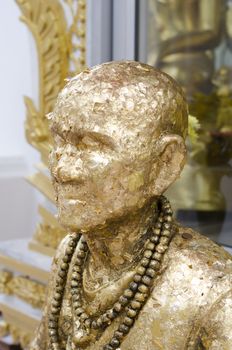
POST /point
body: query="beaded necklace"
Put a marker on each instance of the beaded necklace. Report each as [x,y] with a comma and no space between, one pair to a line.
[131,300]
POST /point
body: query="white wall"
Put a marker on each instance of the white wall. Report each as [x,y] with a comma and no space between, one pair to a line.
[18,72]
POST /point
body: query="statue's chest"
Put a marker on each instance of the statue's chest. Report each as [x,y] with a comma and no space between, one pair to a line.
[165,322]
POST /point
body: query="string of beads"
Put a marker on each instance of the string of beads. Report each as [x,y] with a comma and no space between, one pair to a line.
[133,297]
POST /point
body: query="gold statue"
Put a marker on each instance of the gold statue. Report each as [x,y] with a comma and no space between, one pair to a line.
[135,279]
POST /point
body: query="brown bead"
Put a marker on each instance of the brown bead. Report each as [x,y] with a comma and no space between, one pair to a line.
[83,316]
[84,247]
[77,268]
[52,332]
[143,288]
[141,270]
[137,278]
[99,322]
[64,266]
[161,248]
[158,225]
[108,347]
[56,303]
[66,258]
[81,254]
[155,239]
[58,296]
[136,304]
[157,256]
[123,328]
[79,261]
[123,300]
[128,321]
[140,297]
[76,276]
[117,307]
[69,251]
[74,283]
[114,342]
[60,281]
[79,311]
[145,262]
[111,314]
[76,304]
[147,280]
[59,289]
[168,211]
[118,335]
[75,296]
[53,318]
[128,293]
[52,324]
[147,254]
[164,240]
[156,231]
[72,243]
[105,319]
[62,273]
[54,338]
[55,345]
[150,272]
[133,286]
[131,313]
[167,225]
[88,323]
[166,205]
[154,264]
[55,310]
[73,290]
[150,246]
[168,218]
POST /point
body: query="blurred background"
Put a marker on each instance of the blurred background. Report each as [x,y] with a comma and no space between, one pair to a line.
[189,39]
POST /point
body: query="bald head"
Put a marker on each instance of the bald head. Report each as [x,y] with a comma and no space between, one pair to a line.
[118,141]
[123,93]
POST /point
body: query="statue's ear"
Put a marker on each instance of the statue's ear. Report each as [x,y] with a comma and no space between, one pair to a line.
[171,152]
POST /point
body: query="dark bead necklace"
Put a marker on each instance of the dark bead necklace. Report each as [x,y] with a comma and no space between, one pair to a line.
[131,300]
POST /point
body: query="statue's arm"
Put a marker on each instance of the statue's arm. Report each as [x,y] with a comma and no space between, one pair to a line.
[41,340]
[216,332]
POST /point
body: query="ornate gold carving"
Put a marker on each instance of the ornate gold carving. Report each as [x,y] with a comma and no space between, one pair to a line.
[4,328]
[61,52]
[46,21]
[49,235]
[31,291]
[77,36]
[20,336]
[5,277]
[49,232]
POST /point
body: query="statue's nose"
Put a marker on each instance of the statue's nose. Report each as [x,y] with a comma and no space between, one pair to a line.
[68,167]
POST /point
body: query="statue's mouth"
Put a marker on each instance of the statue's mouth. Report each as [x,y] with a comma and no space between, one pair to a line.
[73,201]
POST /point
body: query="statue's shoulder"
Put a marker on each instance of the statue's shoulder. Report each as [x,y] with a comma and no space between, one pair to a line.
[197,252]
[191,241]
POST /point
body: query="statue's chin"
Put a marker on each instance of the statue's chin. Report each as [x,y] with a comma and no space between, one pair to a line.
[78,223]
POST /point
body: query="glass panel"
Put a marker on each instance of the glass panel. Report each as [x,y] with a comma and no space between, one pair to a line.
[192,41]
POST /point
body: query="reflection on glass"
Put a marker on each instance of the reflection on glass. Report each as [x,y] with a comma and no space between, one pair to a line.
[192,41]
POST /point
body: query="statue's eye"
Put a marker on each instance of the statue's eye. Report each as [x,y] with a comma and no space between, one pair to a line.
[89,142]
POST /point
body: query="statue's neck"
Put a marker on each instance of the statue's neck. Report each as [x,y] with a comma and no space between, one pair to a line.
[119,245]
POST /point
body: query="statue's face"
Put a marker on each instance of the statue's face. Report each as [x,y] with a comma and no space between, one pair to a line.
[106,125]
[98,175]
